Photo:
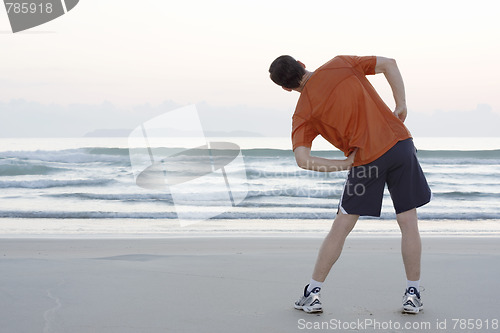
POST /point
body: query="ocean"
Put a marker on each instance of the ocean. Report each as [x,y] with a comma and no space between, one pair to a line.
[92,178]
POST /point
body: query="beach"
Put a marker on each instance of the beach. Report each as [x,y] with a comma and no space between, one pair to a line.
[92,280]
[83,248]
[155,177]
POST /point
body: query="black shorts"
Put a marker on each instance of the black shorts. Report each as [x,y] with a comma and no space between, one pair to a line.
[399,168]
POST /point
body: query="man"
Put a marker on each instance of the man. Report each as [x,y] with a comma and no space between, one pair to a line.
[338,102]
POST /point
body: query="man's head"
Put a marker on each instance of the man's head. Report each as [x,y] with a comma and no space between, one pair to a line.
[287,72]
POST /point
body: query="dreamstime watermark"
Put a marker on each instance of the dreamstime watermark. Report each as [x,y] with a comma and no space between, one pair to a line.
[26,14]
[170,153]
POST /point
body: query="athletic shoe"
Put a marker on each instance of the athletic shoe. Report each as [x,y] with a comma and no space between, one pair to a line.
[411,301]
[310,302]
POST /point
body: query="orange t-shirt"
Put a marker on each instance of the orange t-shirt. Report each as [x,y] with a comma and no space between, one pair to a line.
[340,104]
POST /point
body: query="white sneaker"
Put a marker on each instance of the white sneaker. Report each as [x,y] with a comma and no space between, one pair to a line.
[310,302]
[412,303]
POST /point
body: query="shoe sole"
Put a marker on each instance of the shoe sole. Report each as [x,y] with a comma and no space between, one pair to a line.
[307,309]
[412,310]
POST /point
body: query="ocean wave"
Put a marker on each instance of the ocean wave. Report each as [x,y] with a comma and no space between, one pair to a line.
[249,204]
[271,152]
[106,151]
[121,155]
[127,197]
[257,173]
[466,195]
[298,192]
[331,215]
[426,154]
[457,162]
[459,216]
[254,198]
[254,215]
[87,215]
[213,199]
[49,183]
[24,169]
[495,153]
[460,154]
[69,156]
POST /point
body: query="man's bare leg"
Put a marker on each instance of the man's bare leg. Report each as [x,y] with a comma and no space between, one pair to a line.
[411,249]
[332,245]
[411,246]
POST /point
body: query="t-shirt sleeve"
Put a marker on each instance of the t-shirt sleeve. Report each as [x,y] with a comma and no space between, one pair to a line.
[365,64]
[303,133]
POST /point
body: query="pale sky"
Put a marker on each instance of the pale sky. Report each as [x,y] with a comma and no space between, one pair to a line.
[131,53]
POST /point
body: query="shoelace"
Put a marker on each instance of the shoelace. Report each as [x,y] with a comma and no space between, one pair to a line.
[421,289]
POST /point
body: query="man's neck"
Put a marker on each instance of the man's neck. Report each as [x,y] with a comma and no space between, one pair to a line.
[304,80]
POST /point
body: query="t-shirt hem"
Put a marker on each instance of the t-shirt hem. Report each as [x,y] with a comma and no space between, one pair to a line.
[308,145]
[382,152]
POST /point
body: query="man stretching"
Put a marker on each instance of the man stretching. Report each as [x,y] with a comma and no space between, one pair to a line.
[339,103]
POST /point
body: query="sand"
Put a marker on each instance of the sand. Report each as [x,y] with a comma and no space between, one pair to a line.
[240,284]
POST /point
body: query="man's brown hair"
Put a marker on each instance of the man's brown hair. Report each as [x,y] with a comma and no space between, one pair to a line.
[286,72]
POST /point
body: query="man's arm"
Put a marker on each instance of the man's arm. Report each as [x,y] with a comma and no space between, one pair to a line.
[390,69]
[306,161]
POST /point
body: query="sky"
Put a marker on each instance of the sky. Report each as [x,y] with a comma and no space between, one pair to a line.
[117,63]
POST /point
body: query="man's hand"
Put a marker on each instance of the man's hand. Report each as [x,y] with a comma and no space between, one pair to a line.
[401,112]
[350,159]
